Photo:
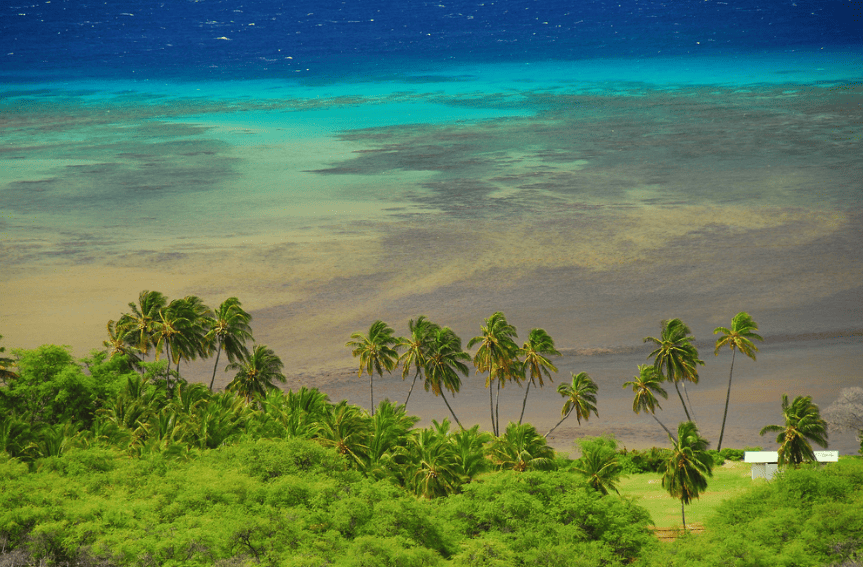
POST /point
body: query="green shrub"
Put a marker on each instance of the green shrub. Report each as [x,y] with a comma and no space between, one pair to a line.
[732,454]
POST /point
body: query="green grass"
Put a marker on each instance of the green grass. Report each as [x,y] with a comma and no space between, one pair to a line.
[728,480]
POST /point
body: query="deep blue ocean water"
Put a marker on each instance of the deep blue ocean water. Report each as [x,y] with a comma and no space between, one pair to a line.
[325,40]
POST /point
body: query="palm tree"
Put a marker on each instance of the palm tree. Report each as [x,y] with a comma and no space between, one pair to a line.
[498,356]
[688,467]
[739,337]
[468,445]
[257,373]
[432,464]
[535,352]
[229,329]
[346,428]
[5,364]
[118,344]
[444,361]
[803,423]
[376,353]
[143,319]
[602,470]
[389,433]
[192,341]
[522,448]
[676,357]
[644,385]
[580,398]
[416,348]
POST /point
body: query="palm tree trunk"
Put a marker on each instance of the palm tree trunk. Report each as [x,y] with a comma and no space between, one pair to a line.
[727,398]
[412,387]
[524,403]
[372,391]
[216,366]
[168,368]
[679,395]
[670,434]
[683,514]
[450,409]
[497,409]
[491,406]
[558,423]
[687,400]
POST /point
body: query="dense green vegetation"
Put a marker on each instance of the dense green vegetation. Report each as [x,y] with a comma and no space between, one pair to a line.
[116,459]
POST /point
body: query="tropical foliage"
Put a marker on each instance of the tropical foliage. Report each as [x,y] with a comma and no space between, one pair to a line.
[803,424]
[257,373]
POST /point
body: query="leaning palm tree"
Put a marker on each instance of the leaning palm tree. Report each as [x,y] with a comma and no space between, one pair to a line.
[687,469]
[644,385]
[376,353]
[416,347]
[738,337]
[535,352]
[256,374]
[498,356]
[803,424]
[580,398]
[445,360]
[676,357]
[229,330]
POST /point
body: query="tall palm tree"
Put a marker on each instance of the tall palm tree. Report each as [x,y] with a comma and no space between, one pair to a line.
[522,448]
[257,373]
[580,398]
[498,356]
[376,353]
[143,319]
[444,362]
[644,385]
[416,347]
[676,357]
[229,330]
[803,424]
[535,352]
[739,337]
[688,467]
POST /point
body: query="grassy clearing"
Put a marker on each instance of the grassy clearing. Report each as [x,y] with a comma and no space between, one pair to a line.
[728,480]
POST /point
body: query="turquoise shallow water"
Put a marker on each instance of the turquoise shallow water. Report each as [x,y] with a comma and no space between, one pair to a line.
[592,198]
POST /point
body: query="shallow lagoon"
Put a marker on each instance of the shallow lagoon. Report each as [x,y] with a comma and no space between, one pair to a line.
[591,198]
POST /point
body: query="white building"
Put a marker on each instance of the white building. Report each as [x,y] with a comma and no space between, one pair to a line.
[766,463]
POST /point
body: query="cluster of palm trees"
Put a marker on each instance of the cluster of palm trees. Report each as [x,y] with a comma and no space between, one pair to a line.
[435,355]
[185,329]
